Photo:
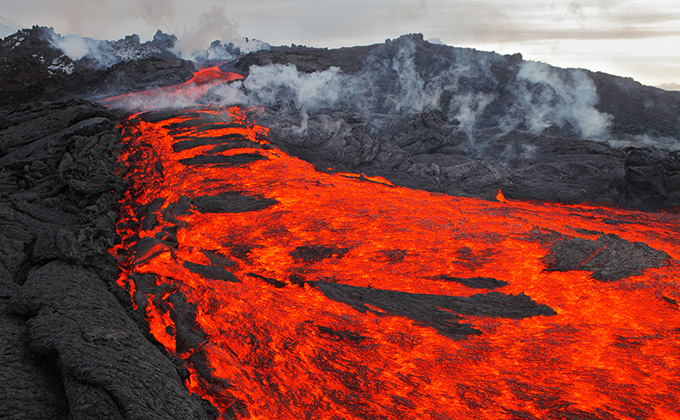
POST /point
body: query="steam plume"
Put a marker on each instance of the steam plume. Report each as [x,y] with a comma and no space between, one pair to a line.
[213,24]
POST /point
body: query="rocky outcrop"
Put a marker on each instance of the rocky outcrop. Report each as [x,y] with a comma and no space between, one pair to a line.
[466,122]
[72,346]
[35,67]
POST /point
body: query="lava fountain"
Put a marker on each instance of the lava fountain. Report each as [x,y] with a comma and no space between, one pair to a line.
[295,292]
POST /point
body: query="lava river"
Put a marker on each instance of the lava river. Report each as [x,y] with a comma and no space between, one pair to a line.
[295,292]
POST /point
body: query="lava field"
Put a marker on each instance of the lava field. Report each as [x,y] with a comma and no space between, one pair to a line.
[242,243]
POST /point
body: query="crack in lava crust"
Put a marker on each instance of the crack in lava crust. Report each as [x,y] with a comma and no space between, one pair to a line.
[293,293]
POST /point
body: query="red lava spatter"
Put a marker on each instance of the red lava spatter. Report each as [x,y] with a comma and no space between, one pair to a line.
[274,345]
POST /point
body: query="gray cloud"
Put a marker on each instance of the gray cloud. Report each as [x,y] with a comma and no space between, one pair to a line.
[406,10]
[158,13]
[211,25]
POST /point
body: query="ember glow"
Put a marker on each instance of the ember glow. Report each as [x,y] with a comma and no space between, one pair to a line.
[297,292]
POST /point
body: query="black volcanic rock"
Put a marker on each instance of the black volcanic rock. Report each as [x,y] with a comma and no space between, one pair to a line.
[109,369]
[634,108]
[225,160]
[211,272]
[33,68]
[469,123]
[231,203]
[475,282]
[438,311]
[72,345]
[308,60]
[609,257]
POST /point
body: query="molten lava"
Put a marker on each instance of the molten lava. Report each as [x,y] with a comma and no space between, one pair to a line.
[174,96]
[296,293]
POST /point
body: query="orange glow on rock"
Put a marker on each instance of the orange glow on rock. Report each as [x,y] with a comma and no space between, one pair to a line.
[292,293]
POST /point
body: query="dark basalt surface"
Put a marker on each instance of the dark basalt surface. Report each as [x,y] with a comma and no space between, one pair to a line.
[33,69]
[609,257]
[424,151]
[224,160]
[235,139]
[211,272]
[475,282]
[437,311]
[385,131]
[72,347]
[231,203]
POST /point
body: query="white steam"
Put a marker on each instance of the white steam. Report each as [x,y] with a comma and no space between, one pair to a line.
[559,102]
[228,51]
[193,38]
[275,83]
[77,47]
[213,24]
[470,107]
[539,98]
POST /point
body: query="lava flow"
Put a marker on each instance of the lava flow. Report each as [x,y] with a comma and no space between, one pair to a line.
[293,293]
[173,96]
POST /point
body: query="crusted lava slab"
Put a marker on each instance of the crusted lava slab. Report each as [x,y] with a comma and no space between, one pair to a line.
[211,272]
[609,257]
[192,142]
[435,311]
[232,202]
[226,160]
[475,282]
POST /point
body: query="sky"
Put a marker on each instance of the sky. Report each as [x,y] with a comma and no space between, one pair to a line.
[633,38]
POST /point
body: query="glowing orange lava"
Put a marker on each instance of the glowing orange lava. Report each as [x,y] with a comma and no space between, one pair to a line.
[174,96]
[337,296]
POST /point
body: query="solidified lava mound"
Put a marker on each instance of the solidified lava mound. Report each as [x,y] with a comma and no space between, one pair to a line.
[184,261]
[467,122]
[70,348]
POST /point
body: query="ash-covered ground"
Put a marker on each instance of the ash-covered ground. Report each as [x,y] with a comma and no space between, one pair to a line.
[425,116]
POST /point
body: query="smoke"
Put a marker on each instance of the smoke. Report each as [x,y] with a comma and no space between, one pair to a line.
[392,85]
[462,84]
[277,83]
[77,47]
[99,17]
[470,107]
[551,100]
[212,25]
[158,13]
[480,96]
[232,50]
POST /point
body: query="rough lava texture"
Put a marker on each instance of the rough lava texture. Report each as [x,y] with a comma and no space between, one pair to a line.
[466,122]
[72,345]
[33,67]
[609,257]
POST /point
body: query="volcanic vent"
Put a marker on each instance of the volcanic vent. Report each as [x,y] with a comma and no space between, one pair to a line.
[299,292]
